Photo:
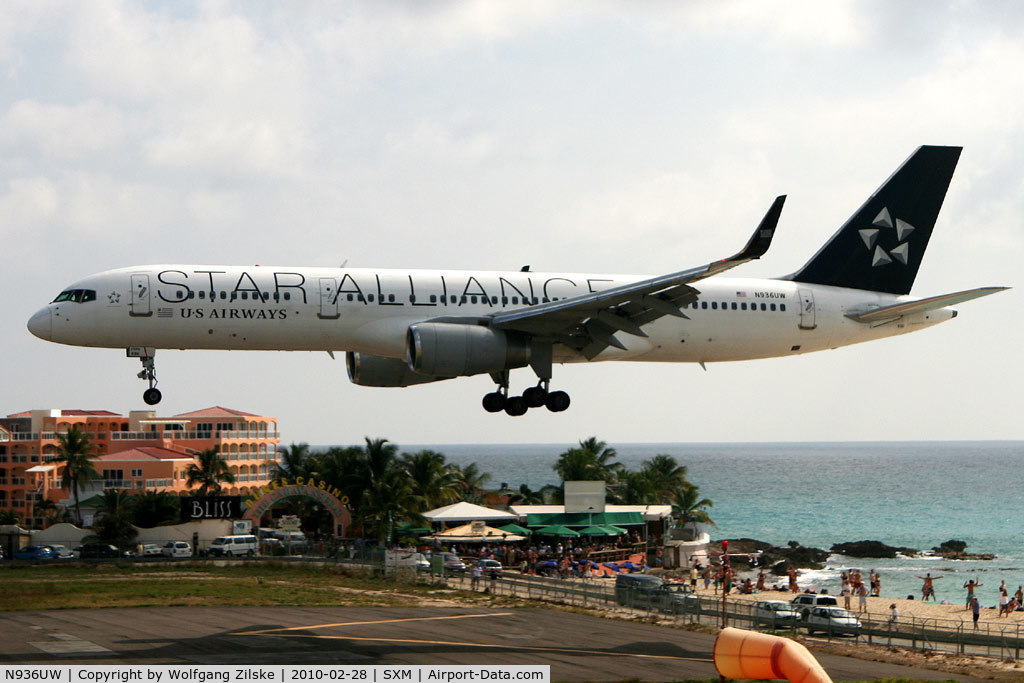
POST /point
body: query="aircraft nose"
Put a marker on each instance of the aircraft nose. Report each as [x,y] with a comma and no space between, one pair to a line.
[40,324]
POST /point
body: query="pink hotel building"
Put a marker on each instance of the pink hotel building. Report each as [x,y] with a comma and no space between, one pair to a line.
[138,452]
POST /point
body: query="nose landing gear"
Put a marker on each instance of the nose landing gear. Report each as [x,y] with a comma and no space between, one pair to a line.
[147,355]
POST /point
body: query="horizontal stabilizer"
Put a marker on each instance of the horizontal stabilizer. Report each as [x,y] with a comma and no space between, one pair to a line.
[930,304]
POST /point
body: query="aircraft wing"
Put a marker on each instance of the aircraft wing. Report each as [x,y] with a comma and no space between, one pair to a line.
[588,322]
[886,313]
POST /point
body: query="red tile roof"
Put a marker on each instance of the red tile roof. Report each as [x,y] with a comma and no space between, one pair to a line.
[73,413]
[217,411]
[145,453]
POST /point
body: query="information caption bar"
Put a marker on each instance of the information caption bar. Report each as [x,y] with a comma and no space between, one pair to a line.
[129,673]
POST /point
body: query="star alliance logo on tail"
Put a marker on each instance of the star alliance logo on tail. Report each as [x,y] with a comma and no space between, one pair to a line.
[900,253]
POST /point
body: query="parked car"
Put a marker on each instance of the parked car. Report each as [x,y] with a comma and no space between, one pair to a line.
[401,559]
[98,551]
[34,552]
[644,591]
[489,567]
[452,563]
[832,620]
[149,550]
[61,552]
[804,602]
[776,613]
[176,549]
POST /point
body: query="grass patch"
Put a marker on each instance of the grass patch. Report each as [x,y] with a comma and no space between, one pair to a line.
[44,587]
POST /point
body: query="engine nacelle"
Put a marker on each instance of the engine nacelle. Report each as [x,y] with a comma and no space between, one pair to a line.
[459,350]
[377,371]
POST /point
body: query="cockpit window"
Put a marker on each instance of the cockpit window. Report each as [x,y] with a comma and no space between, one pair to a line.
[79,296]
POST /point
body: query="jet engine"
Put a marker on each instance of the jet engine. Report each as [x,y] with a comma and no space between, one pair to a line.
[378,371]
[459,350]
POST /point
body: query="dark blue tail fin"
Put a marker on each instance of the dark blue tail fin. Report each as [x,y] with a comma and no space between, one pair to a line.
[881,246]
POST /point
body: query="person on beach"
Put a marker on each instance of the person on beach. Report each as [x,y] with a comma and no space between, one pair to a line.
[845,592]
[894,615]
[793,573]
[761,577]
[1004,600]
[862,595]
[1012,606]
[876,584]
[970,585]
[694,573]
[975,608]
[928,589]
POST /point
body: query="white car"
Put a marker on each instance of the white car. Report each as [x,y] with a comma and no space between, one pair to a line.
[832,620]
[805,601]
[61,552]
[775,613]
[176,549]
[149,550]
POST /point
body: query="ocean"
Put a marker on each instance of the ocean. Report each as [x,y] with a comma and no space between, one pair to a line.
[914,494]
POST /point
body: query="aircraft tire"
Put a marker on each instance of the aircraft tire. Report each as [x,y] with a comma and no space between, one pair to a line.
[151,396]
[494,402]
[516,406]
[557,401]
[535,396]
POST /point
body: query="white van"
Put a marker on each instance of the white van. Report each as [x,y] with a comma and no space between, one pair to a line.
[234,546]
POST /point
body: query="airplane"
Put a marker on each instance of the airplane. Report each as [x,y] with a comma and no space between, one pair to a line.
[405,327]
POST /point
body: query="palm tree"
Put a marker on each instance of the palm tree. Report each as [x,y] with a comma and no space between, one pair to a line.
[209,471]
[294,461]
[9,517]
[471,481]
[593,460]
[76,453]
[690,507]
[664,477]
[113,523]
[155,508]
[432,481]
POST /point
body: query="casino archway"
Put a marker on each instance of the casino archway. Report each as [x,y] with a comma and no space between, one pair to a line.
[318,491]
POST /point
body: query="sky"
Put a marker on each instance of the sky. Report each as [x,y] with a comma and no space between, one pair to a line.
[608,137]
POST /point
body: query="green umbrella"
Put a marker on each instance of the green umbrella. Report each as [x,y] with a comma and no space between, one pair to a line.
[516,529]
[556,530]
[598,530]
[614,530]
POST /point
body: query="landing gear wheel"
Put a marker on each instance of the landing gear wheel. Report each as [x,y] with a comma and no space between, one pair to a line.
[494,402]
[535,396]
[152,396]
[557,401]
[516,406]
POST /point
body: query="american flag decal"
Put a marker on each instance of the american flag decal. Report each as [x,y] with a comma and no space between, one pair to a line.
[164,313]
[741,294]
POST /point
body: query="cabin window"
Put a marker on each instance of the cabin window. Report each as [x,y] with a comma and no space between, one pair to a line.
[772,307]
[782,307]
[433,298]
[202,295]
[472,299]
[494,300]
[370,298]
[515,300]
[734,305]
[504,301]
[763,307]
[714,305]
[743,306]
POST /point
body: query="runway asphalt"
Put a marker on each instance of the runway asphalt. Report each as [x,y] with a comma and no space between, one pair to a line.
[577,647]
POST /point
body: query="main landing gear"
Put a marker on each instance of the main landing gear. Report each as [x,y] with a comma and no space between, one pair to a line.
[534,397]
[147,355]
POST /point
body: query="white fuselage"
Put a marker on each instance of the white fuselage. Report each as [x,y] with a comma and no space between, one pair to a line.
[369,311]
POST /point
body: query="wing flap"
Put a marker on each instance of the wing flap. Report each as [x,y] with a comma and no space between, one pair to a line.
[930,304]
[627,307]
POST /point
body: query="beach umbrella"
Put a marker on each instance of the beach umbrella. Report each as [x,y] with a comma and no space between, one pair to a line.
[516,529]
[556,530]
[598,530]
[612,529]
